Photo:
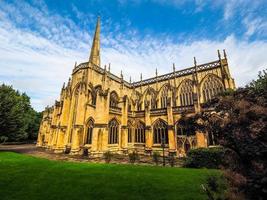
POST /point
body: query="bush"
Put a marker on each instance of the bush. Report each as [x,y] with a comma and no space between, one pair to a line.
[215,188]
[156,157]
[133,157]
[107,156]
[3,139]
[205,158]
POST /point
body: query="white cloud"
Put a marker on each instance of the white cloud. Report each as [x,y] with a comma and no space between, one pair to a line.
[245,58]
[254,25]
[39,62]
[252,14]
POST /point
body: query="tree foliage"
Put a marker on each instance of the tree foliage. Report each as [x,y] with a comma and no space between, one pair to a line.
[240,125]
[188,125]
[18,120]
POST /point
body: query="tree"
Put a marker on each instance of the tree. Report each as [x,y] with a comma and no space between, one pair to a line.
[18,120]
[188,125]
[240,125]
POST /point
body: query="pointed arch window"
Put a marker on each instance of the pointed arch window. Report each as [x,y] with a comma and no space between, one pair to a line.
[211,87]
[153,103]
[186,93]
[89,132]
[93,97]
[160,132]
[130,132]
[179,129]
[94,94]
[140,132]
[114,100]
[113,132]
[164,97]
[151,98]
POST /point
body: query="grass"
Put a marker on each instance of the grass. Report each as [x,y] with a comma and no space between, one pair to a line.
[26,177]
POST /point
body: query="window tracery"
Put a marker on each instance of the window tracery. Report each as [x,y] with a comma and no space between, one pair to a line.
[113,132]
[160,132]
[114,100]
[89,133]
[139,106]
[130,132]
[140,132]
[164,97]
[186,93]
[93,98]
[211,87]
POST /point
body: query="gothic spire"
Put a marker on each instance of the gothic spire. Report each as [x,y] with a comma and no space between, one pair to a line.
[95,50]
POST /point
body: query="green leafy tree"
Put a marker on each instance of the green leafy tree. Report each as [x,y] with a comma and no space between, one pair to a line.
[259,85]
[18,120]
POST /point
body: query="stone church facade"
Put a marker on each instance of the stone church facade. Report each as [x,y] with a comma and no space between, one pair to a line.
[98,111]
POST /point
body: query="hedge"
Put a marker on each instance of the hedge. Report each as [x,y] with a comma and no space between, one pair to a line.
[205,158]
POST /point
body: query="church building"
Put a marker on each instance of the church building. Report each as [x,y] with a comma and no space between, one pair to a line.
[98,111]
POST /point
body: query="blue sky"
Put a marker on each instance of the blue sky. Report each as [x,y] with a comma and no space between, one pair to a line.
[41,40]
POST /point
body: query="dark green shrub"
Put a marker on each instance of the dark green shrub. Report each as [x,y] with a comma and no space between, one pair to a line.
[107,156]
[156,157]
[205,158]
[3,139]
[133,157]
[215,188]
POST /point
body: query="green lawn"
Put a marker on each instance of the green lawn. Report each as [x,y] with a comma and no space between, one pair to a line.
[26,177]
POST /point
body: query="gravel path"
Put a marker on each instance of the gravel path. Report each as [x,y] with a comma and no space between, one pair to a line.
[31,149]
